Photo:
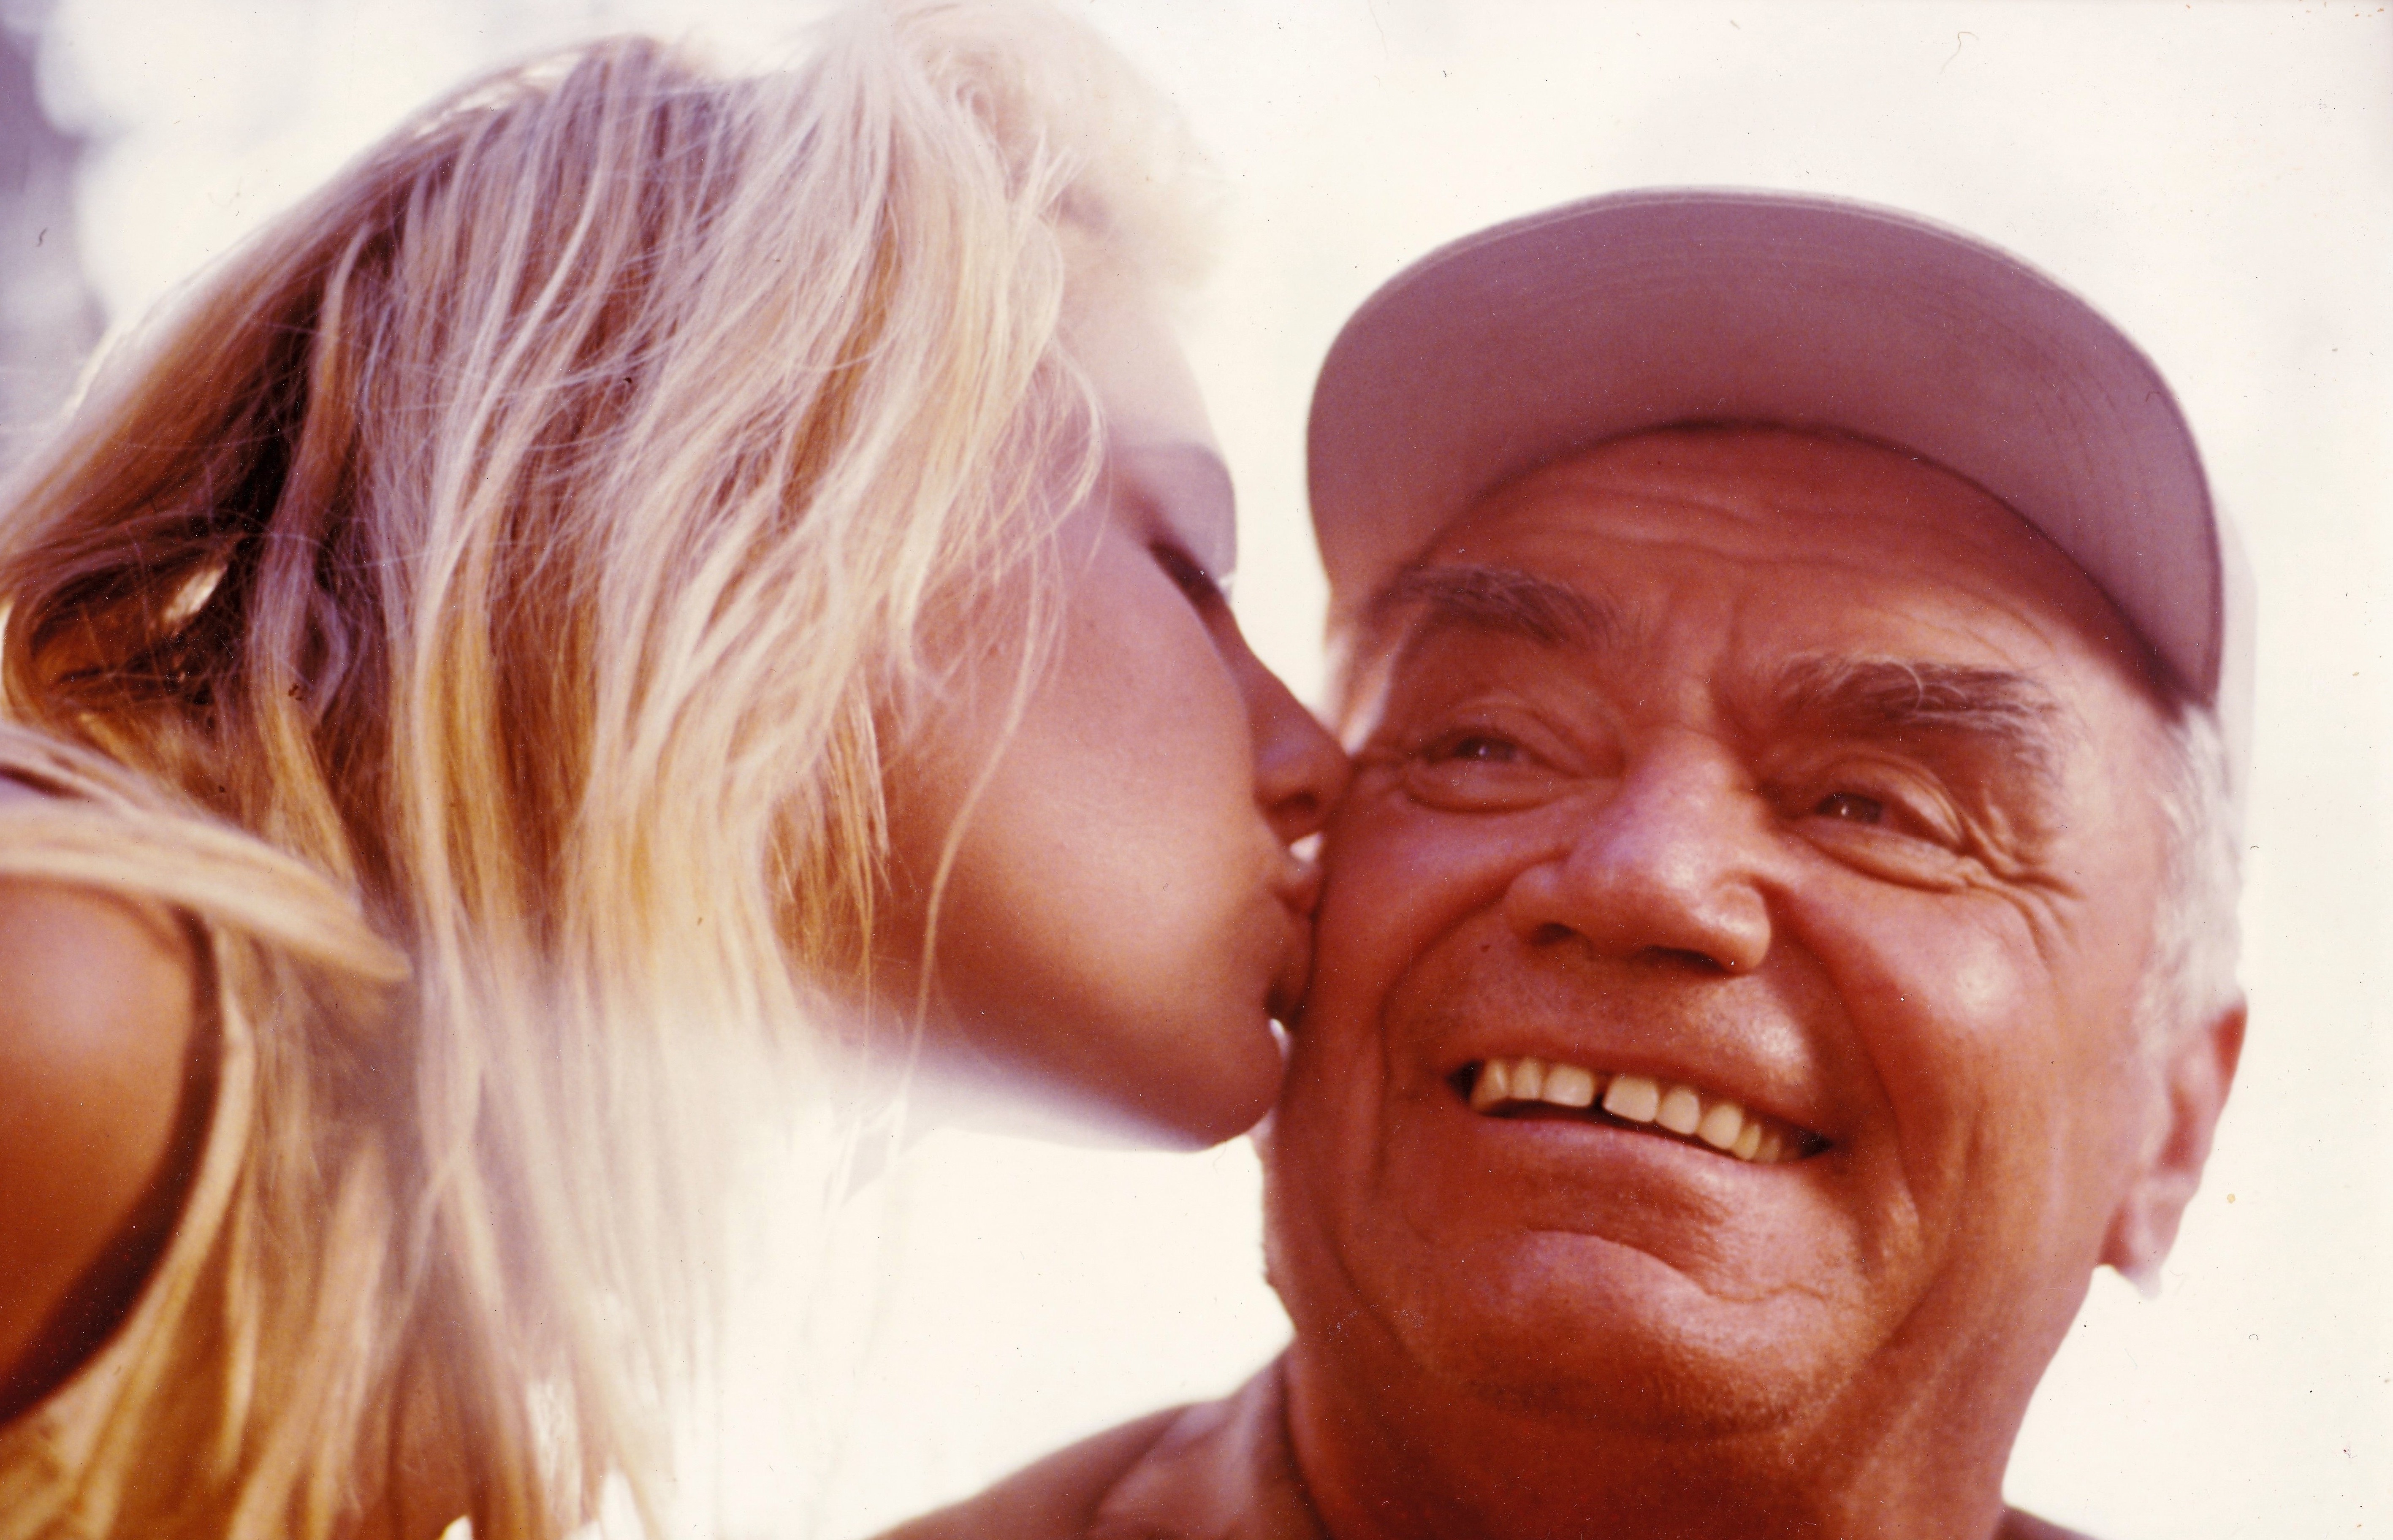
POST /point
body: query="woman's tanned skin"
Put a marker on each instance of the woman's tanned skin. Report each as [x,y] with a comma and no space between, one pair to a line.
[103,1075]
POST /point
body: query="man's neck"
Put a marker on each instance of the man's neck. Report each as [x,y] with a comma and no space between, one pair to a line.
[1418,1464]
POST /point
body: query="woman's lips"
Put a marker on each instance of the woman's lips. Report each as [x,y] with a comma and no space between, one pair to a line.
[1285,995]
[1297,887]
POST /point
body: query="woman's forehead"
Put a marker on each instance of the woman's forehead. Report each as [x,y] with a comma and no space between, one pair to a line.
[1121,334]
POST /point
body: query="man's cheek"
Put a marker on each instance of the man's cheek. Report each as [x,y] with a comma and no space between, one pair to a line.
[1370,897]
[1325,1143]
[1964,1035]
[1399,875]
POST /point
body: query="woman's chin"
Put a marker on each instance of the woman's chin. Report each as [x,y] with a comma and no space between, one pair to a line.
[1178,1119]
[1166,1084]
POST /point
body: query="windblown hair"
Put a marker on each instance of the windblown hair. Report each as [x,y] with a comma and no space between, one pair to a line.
[549,529]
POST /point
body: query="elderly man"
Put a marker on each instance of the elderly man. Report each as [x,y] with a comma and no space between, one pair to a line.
[1780,939]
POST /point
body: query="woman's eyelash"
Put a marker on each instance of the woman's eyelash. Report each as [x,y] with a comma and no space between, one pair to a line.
[1182,568]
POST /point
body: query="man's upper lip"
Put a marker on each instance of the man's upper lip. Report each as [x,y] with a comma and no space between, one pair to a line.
[1785,1093]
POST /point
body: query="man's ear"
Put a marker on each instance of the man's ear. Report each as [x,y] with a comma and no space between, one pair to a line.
[2196,1073]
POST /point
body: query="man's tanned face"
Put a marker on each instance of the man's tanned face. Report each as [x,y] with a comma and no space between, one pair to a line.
[1786,796]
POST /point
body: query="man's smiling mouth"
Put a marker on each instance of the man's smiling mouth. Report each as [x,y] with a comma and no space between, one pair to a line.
[1542,1087]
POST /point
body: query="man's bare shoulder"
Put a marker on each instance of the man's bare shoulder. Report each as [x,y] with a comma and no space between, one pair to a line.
[1057,1499]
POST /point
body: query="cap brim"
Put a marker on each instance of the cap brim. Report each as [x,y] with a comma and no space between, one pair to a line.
[1524,341]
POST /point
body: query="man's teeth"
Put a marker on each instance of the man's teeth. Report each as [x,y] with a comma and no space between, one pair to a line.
[1682,1110]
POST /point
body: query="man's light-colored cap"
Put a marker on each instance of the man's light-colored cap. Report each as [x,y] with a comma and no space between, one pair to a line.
[1553,333]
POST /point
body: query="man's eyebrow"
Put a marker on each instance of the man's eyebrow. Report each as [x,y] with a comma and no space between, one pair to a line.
[1499,599]
[1891,697]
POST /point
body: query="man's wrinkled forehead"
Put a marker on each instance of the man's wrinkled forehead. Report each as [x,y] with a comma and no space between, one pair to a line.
[2009,711]
[1880,511]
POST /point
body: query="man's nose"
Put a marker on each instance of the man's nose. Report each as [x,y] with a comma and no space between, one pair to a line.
[1669,866]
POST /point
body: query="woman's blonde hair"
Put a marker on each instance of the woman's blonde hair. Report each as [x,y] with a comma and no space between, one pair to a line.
[547,528]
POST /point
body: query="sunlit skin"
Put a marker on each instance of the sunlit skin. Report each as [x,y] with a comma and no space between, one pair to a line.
[1693,834]
[1124,916]
[98,1022]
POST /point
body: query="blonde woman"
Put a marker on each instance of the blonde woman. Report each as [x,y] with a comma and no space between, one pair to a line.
[725,571]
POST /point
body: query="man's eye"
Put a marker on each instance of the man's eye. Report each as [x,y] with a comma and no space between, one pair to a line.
[1909,833]
[1478,770]
[1477,748]
[1850,808]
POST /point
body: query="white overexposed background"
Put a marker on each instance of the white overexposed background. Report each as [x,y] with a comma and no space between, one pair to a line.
[2216,176]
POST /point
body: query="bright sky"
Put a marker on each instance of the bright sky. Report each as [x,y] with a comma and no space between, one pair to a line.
[2216,176]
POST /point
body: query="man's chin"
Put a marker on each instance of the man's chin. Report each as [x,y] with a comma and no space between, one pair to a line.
[1608,1338]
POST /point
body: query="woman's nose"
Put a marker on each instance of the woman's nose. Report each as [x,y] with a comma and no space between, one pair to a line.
[1670,865]
[1300,770]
